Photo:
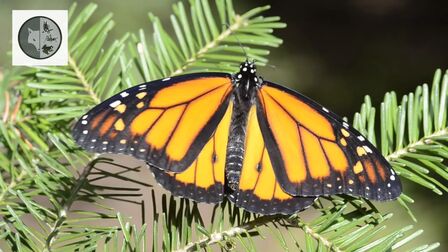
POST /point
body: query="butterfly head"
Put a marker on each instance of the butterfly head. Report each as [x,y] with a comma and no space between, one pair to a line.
[247,69]
[247,77]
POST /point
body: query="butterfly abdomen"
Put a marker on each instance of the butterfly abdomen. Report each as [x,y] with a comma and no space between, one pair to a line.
[236,142]
[234,161]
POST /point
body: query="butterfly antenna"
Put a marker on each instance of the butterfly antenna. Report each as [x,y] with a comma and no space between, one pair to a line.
[238,40]
[272,66]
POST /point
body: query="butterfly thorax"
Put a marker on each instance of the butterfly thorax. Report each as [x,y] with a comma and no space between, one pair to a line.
[243,98]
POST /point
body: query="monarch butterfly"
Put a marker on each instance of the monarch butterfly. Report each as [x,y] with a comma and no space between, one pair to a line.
[207,136]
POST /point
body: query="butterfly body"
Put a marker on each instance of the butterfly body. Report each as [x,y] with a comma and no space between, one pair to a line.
[245,83]
[268,149]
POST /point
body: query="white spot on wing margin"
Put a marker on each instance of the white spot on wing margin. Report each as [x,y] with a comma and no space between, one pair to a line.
[115,103]
[367,149]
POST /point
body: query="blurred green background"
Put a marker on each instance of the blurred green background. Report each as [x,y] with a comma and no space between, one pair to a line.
[334,51]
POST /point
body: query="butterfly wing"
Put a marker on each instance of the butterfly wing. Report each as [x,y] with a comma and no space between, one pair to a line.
[314,152]
[258,190]
[165,122]
[203,180]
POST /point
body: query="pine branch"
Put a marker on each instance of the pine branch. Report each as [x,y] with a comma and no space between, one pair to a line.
[413,134]
[29,165]
[82,78]
[337,229]
[89,76]
[206,46]
[417,145]
[212,44]
[217,237]
[12,184]
[317,236]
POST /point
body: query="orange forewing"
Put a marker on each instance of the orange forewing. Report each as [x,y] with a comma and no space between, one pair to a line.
[165,122]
